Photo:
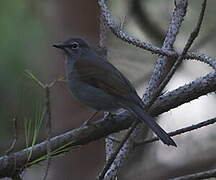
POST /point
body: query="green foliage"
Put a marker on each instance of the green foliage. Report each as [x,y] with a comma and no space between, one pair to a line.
[33,126]
[59,151]
[21,35]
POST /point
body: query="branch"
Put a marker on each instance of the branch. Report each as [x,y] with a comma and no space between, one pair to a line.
[109,125]
[114,155]
[49,129]
[79,136]
[195,176]
[184,94]
[181,131]
[202,58]
[118,31]
[109,20]
[127,145]
[160,68]
[15,136]
[190,41]
[163,63]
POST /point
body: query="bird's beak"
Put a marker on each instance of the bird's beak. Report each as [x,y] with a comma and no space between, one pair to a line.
[59,45]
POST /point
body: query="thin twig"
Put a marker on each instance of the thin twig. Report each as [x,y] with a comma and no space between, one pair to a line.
[15,136]
[113,156]
[207,38]
[108,19]
[183,94]
[48,112]
[49,130]
[202,58]
[180,131]
[102,128]
[34,78]
[116,29]
[201,175]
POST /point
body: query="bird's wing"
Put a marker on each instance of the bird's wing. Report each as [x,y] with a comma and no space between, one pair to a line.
[101,74]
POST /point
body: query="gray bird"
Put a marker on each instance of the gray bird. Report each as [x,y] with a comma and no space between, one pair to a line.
[98,84]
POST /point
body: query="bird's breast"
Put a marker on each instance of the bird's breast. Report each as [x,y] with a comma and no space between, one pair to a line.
[90,95]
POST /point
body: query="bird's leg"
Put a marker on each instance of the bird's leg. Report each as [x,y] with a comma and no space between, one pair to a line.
[87,122]
[106,114]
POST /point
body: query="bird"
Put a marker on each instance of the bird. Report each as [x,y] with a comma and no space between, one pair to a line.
[97,83]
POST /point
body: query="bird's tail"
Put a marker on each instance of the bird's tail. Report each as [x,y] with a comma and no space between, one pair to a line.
[139,113]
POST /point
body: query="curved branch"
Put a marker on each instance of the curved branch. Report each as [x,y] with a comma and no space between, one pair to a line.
[109,125]
[201,175]
[109,20]
[184,94]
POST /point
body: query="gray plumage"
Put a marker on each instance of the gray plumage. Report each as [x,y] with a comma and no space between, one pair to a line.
[98,84]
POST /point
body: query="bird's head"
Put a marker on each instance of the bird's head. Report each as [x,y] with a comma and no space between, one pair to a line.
[72,47]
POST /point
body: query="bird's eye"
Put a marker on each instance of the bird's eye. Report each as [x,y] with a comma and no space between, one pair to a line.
[74,45]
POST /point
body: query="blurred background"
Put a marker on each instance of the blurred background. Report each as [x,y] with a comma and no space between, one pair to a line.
[28,29]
